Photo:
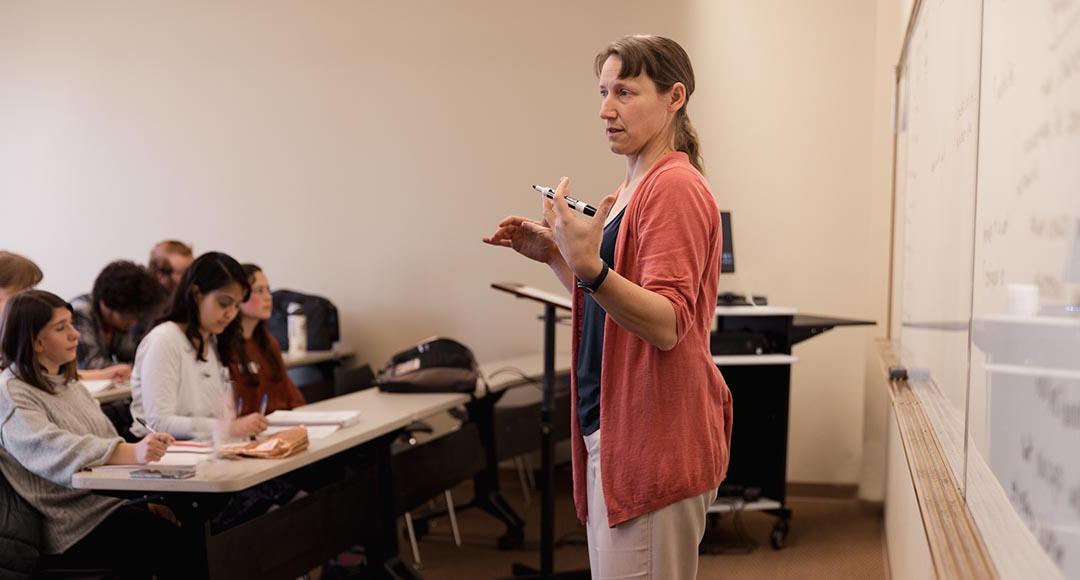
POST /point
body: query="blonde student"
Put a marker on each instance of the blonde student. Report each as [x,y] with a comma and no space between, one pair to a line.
[51,428]
[180,380]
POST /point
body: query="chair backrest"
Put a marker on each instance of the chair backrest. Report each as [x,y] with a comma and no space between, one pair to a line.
[20,534]
[351,380]
[426,470]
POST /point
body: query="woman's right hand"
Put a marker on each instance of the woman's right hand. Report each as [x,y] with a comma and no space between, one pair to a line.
[530,238]
[248,425]
[152,447]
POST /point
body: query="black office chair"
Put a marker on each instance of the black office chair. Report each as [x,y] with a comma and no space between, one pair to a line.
[352,380]
[119,414]
[20,544]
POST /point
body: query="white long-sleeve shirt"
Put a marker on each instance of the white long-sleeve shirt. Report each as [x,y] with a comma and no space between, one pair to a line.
[172,390]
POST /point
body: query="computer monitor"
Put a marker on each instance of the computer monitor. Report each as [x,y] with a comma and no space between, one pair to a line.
[727,252]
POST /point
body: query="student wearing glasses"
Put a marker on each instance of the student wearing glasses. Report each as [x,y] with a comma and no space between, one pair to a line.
[169,259]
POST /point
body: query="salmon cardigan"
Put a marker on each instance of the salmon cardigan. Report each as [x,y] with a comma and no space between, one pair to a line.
[665,417]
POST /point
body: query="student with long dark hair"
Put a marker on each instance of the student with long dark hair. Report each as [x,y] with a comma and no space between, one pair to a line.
[180,381]
[260,369]
[51,428]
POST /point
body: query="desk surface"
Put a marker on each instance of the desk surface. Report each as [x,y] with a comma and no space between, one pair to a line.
[530,365]
[113,393]
[312,357]
[380,413]
[119,392]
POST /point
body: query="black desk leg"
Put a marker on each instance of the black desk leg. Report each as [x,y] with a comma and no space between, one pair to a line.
[195,532]
[383,560]
[488,492]
[547,467]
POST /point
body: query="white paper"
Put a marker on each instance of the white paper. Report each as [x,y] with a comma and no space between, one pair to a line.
[199,448]
[293,418]
[313,431]
[96,386]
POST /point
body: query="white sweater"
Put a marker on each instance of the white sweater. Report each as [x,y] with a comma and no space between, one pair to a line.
[172,390]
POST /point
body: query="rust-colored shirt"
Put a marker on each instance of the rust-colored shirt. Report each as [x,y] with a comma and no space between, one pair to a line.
[282,392]
[665,417]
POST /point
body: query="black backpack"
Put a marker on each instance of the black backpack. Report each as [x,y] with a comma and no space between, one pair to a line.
[323,329]
[437,365]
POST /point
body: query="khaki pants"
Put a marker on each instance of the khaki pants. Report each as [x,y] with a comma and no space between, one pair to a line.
[662,545]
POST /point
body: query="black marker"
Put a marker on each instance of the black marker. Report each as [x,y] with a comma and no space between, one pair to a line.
[574,204]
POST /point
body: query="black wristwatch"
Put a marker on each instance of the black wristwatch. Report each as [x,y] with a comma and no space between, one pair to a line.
[595,285]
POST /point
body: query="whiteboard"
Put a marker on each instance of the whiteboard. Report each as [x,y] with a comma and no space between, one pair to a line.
[987,242]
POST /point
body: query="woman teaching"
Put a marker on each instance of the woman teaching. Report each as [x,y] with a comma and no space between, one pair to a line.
[651,427]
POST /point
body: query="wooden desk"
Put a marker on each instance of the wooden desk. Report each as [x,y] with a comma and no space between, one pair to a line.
[382,418]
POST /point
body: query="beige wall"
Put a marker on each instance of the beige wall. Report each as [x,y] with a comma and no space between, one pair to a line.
[788,124]
[360,150]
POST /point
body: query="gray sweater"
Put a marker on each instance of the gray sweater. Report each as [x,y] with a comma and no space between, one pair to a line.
[44,440]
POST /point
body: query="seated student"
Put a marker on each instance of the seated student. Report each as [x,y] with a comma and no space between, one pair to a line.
[124,293]
[16,274]
[260,369]
[51,428]
[169,260]
[180,382]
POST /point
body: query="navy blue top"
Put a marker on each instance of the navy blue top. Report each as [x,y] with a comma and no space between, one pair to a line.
[591,349]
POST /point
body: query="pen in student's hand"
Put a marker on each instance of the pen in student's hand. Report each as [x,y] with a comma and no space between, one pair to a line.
[575,204]
[262,403]
[145,424]
[239,406]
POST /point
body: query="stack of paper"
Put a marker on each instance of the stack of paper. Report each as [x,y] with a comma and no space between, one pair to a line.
[292,418]
[313,431]
[96,386]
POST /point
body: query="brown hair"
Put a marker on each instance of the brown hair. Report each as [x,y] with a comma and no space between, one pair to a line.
[18,272]
[159,261]
[25,316]
[262,340]
[665,63]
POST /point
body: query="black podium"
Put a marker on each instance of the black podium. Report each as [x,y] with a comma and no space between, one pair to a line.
[752,347]
[551,303]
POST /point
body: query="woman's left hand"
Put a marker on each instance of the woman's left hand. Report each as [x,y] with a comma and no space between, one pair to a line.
[578,238]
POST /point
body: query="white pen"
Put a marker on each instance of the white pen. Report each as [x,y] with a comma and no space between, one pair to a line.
[575,204]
